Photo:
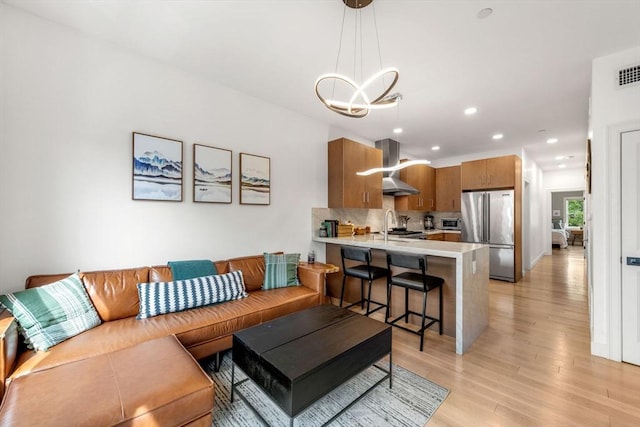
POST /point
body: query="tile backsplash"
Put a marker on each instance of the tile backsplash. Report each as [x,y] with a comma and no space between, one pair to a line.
[374,218]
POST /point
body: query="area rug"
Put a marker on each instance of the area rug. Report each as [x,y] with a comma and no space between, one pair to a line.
[411,402]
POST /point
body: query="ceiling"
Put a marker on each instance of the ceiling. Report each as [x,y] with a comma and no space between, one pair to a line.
[526,67]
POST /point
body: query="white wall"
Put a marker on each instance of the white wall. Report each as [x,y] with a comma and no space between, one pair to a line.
[612,111]
[533,229]
[68,107]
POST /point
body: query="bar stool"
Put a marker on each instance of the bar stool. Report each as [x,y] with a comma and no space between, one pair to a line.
[411,280]
[363,272]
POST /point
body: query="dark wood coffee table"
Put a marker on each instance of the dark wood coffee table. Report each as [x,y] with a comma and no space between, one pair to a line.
[299,358]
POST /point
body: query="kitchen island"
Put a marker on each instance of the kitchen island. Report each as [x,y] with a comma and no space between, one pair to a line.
[463,266]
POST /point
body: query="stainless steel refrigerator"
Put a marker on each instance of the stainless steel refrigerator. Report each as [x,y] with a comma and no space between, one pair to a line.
[488,218]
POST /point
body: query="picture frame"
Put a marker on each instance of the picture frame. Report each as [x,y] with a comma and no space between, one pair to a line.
[212,174]
[255,179]
[157,168]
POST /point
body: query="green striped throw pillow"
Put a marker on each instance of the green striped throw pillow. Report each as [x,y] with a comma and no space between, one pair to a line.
[169,297]
[281,270]
[50,314]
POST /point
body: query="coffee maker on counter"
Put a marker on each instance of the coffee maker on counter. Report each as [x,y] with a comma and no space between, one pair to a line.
[428,222]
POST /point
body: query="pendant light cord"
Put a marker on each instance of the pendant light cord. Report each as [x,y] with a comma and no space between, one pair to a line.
[344,15]
[375,24]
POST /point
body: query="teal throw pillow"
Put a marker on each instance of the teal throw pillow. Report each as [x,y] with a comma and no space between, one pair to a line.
[183,270]
[50,314]
[281,270]
[169,297]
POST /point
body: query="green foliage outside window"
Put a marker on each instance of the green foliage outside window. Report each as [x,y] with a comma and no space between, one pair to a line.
[575,212]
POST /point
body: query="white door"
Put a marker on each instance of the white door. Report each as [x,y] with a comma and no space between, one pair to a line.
[630,217]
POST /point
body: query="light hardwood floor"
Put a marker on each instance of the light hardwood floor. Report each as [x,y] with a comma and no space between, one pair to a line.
[532,366]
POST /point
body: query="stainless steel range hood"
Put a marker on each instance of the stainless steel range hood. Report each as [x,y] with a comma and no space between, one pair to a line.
[391,182]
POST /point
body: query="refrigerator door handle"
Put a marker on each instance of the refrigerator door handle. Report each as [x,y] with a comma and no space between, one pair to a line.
[488,217]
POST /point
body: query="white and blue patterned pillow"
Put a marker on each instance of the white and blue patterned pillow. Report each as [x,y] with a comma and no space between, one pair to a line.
[48,315]
[169,297]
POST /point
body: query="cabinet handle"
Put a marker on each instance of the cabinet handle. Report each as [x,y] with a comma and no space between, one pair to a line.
[368,197]
[364,197]
[431,202]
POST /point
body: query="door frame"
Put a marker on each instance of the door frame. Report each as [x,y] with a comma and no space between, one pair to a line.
[613,236]
[548,248]
[526,222]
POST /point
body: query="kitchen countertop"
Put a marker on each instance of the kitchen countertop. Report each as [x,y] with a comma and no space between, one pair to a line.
[426,247]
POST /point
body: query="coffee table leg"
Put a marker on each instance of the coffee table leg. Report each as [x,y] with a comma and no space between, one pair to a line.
[390,372]
[233,371]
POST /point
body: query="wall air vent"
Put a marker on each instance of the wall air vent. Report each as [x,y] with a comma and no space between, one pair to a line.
[629,76]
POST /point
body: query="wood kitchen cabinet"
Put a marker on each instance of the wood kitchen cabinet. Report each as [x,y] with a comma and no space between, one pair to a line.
[452,237]
[423,178]
[436,236]
[448,189]
[346,189]
[493,173]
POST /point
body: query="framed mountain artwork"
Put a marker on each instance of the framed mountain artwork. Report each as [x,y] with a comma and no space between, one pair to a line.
[157,168]
[212,175]
[255,179]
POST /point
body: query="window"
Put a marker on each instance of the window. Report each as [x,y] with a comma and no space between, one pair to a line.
[574,211]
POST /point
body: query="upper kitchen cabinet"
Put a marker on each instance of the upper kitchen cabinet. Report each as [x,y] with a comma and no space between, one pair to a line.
[448,189]
[493,173]
[346,189]
[423,178]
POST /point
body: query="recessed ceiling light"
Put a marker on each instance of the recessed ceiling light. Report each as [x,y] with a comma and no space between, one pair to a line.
[397,130]
[470,111]
[560,157]
[435,147]
[552,140]
[498,136]
[562,166]
[485,13]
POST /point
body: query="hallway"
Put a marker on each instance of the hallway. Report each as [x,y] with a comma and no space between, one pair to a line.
[533,365]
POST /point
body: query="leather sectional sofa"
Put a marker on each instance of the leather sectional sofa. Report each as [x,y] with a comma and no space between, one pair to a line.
[203,331]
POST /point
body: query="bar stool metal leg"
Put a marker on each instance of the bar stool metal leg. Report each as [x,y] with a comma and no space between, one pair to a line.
[440,312]
[406,305]
[344,278]
[422,322]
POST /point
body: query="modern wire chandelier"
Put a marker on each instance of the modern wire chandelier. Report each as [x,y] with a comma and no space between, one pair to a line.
[357,102]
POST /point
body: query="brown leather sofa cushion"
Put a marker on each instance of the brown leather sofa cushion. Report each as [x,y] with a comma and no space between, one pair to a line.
[252,268]
[44,279]
[155,382]
[114,293]
[160,273]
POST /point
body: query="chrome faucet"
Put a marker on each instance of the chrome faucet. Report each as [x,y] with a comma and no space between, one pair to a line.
[385,226]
